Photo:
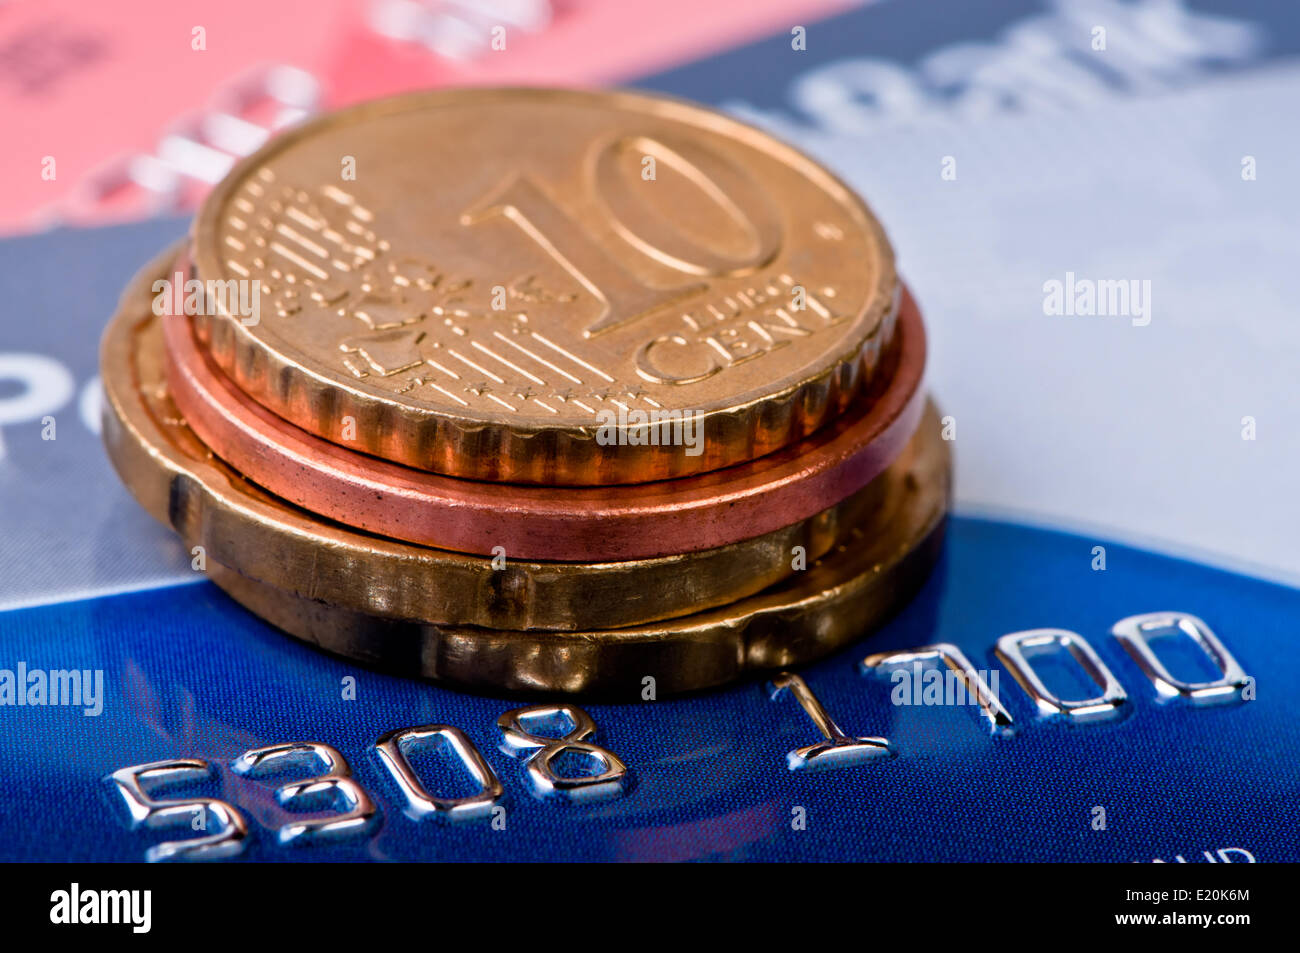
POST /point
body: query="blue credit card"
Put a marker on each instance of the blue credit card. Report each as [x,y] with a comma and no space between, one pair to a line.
[1110,465]
[182,673]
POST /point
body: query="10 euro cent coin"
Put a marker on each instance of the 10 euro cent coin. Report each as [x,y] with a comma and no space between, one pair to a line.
[544,286]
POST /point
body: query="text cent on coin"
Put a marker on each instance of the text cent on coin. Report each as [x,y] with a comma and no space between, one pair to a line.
[475,282]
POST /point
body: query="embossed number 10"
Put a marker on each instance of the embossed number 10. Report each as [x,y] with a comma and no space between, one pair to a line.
[623,295]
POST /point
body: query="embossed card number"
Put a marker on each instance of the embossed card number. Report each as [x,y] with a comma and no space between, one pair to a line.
[354,812]
[551,738]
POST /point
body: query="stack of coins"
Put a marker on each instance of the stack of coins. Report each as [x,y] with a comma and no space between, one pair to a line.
[536,390]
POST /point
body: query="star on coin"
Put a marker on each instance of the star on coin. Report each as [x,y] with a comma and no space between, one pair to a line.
[564,395]
[478,389]
[411,383]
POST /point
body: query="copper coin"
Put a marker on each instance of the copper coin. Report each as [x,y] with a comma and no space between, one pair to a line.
[566,523]
[178,480]
[844,596]
[473,281]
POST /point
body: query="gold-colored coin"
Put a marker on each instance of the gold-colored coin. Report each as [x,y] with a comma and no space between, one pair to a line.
[848,593]
[519,284]
[177,479]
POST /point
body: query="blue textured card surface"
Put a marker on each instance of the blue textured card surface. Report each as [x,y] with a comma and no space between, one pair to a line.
[1166,438]
[189,674]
